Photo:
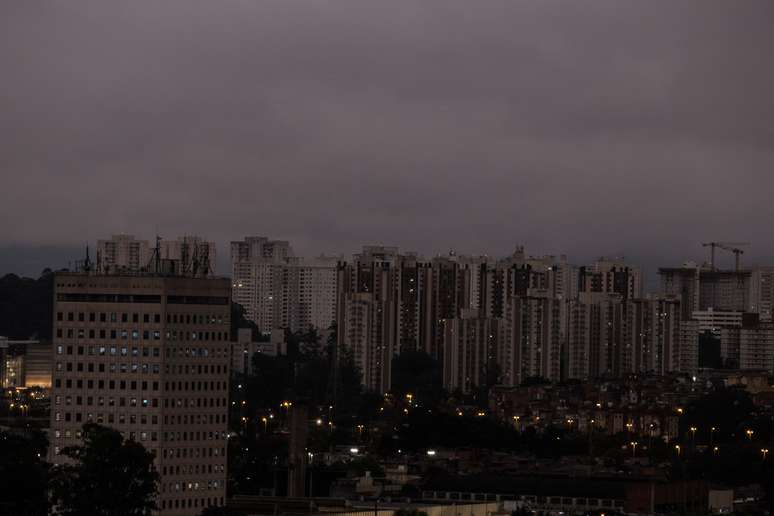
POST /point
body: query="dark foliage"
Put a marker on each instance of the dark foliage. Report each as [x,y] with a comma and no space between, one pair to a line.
[418,373]
[24,474]
[108,476]
[26,306]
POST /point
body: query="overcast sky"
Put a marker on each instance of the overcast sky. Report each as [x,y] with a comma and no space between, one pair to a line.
[587,128]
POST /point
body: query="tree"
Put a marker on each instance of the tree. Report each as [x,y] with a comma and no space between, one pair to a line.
[23,490]
[26,306]
[108,476]
[418,373]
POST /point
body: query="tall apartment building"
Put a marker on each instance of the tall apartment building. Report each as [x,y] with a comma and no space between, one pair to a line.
[688,352]
[148,356]
[190,254]
[470,347]
[652,335]
[756,346]
[280,290]
[186,255]
[369,312]
[534,339]
[701,288]
[312,292]
[762,292]
[123,253]
[611,276]
[595,335]
[404,302]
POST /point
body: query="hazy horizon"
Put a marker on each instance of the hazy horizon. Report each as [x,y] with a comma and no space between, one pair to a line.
[605,128]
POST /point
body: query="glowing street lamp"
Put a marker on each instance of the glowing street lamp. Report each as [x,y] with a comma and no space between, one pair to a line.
[265,424]
[764,452]
[678,449]
[749,433]
[634,447]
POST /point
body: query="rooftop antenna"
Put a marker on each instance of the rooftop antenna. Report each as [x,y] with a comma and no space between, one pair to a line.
[157,253]
[155,260]
[87,261]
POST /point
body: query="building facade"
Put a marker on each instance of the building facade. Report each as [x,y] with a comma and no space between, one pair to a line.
[187,255]
[148,356]
[280,290]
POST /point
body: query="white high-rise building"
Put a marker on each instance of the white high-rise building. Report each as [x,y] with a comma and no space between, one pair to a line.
[190,254]
[756,347]
[470,347]
[280,290]
[187,255]
[257,266]
[123,253]
[611,275]
[762,292]
[312,292]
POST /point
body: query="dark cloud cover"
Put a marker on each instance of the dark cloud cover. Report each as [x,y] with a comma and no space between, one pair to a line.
[597,127]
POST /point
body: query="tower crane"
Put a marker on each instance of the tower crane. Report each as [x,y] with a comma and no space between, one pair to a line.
[734,247]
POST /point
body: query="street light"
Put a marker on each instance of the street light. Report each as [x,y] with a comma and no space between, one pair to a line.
[712,436]
[634,447]
[749,433]
[265,424]
[677,449]
[764,452]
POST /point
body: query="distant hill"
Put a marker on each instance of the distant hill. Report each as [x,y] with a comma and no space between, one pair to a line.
[26,306]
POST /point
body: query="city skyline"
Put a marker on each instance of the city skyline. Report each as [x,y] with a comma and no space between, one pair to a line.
[285,257]
[31,261]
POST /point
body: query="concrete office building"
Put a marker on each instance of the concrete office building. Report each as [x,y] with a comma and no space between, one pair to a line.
[25,363]
[147,355]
